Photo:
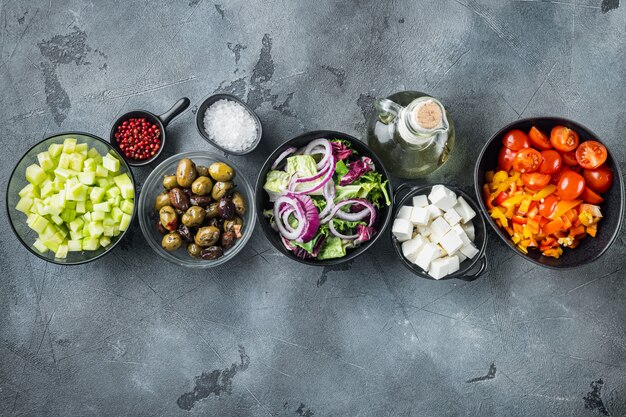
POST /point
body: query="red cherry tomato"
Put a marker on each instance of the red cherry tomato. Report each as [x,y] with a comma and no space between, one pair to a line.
[539,139]
[536,181]
[551,163]
[569,158]
[505,158]
[571,185]
[590,196]
[516,140]
[591,154]
[527,160]
[599,179]
[564,139]
[547,206]
[557,177]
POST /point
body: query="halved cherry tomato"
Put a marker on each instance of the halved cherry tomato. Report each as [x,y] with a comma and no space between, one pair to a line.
[547,206]
[536,181]
[527,160]
[506,157]
[539,139]
[569,158]
[591,154]
[516,140]
[502,197]
[564,139]
[590,196]
[551,163]
[571,185]
[599,179]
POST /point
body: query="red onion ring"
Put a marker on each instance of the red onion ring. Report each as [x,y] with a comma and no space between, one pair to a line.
[282,156]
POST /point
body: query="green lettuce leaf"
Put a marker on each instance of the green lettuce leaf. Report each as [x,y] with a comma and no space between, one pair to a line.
[332,248]
[346,227]
[275,183]
[373,188]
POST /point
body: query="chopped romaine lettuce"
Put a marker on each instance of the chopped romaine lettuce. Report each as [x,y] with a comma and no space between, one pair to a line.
[373,188]
[346,227]
[304,165]
[346,192]
[275,183]
[332,248]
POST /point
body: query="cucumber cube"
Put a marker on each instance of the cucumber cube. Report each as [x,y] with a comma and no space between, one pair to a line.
[111,163]
[115,201]
[52,245]
[124,222]
[69,145]
[58,200]
[58,183]
[127,206]
[24,204]
[87,217]
[101,171]
[35,175]
[87,178]
[76,162]
[91,244]
[109,221]
[125,185]
[109,231]
[68,215]
[75,245]
[95,229]
[64,160]
[104,183]
[93,153]
[117,214]
[105,241]
[82,148]
[29,191]
[61,253]
[76,235]
[113,191]
[40,246]
[97,215]
[47,188]
[39,224]
[77,192]
[96,194]
[76,224]
[56,219]
[89,165]
[45,160]
[55,149]
[80,207]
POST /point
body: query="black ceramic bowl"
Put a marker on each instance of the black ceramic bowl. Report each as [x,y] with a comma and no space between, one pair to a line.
[590,248]
[161,121]
[200,122]
[404,193]
[263,203]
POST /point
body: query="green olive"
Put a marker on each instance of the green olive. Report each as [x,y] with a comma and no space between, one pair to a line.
[162,200]
[202,171]
[202,186]
[186,172]
[221,171]
[207,236]
[240,203]
[169,182]
[213,210]
[168,218]
[194,250]
[194,216]
[229,225]
[171,241]
[220,189]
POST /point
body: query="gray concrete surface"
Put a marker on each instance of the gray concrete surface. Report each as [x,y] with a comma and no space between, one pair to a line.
[133,335]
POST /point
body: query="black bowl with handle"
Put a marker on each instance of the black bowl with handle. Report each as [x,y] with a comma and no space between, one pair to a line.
[612,208]
[263,202]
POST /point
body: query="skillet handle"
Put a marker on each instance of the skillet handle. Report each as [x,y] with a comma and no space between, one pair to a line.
[479,271]
[178,107]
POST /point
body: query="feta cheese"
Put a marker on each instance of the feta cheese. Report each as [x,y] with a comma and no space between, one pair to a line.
[426,255]
[442,197]
[410,248]
[420,216]
[452,217]
[469,230]
[404,213]
[450,242]
[469,250]
[461,233]
[438,268]
[466,212]
[402,229]
[453,264]
[420,201]
[439,227]
[424,230]
[434,211]
[461,257]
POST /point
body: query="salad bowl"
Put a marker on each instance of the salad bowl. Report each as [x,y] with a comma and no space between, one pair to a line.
[263,203]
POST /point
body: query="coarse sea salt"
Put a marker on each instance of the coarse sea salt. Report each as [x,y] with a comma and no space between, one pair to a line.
[230,125]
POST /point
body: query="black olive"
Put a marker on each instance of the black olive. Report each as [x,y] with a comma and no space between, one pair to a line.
[226,208]
[185,233]
[212,252]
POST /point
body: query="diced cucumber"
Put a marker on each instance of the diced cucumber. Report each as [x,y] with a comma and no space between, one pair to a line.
[98,215]
[80,207]
[93,153]
[52,245]
[78,192]
[47,188]
[58,200]
[90,165]
[40,246]
[87,217]
[82,148]
[75,245]
[24,204]
[35,175]
[29,191]
[97,194]
[64,160]
[109,221]
[124,222]
[127,206]
[111,163]
[76,235]
[76,162]
[105,241]
[68,215]
[87,178]
[95,229]
[104,183]
[61,253]
[91,244]
[69,145]
[117,214]
[76,224]
[45,160]
[56,219]
[113,191]
[109,231]
[55,149]
[125,185]
[39,224]
[101,171]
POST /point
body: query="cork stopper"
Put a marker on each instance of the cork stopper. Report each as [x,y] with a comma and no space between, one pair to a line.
[428,115]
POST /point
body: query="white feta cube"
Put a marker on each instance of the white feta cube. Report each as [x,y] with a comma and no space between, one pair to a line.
[469,230]
[424,230]
[434,211]
[439,227]
[410,248]
[420,201]
[404,212]
[452,217]
[442,197]
[451,243]
[461,233]
[438,268]
[466,212]
[461,257]
[426,255]
[420,216]
[402,229]
[453,264]
[469,250]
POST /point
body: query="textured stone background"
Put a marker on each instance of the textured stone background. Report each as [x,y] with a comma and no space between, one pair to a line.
[133,335]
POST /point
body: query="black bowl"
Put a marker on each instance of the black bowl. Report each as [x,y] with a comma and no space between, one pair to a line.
[263,203]
[200,122]
[590,248]
[161,121]
[405,192]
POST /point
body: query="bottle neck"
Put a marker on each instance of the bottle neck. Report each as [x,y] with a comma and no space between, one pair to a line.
[409,130]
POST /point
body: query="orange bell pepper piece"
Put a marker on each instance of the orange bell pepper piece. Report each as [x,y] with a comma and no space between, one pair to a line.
[563,206]
[554,226]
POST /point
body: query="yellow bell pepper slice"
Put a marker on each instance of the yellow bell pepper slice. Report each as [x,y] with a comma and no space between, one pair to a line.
[546,191]
[513,201]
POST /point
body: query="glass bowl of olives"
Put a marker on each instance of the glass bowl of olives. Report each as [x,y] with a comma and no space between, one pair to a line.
[195,210]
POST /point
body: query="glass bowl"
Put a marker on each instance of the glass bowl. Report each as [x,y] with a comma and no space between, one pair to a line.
[17,181]
[148,216]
